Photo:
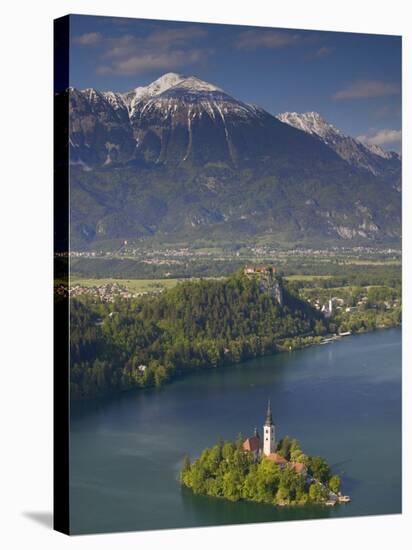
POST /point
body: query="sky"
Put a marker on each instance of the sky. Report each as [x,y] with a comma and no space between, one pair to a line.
[352,80]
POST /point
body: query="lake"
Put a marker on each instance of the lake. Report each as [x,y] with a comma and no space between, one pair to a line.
[341,401]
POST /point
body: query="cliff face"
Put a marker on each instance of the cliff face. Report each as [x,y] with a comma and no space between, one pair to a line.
[268,281]
[276,290]
[273,286]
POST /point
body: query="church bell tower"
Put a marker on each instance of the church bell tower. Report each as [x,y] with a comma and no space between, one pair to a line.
[269,443]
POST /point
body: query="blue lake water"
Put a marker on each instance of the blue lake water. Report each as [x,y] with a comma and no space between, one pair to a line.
[341,400]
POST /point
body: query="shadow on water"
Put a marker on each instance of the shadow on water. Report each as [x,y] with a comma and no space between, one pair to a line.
[340,465]
[45,519]
[208,379]
[205,510]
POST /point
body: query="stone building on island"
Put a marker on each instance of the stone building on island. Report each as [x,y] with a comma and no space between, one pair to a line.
[266,447]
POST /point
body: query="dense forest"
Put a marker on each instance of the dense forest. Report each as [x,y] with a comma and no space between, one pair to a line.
[208,323]
[226,471]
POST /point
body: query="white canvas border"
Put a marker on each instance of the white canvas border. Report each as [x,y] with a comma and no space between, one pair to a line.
[26,230]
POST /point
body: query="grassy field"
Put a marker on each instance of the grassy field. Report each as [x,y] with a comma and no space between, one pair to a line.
[149,285]
[307,277]
[134,285]
[153,285]
[355,261]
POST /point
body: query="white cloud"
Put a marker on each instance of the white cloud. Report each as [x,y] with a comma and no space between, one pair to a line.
[121,47]
[382,137]
[168,49]
[88,39]
[176,36]
[251,40]
[368,88]
[164,60]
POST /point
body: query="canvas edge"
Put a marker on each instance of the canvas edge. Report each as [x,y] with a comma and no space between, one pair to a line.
[61,383]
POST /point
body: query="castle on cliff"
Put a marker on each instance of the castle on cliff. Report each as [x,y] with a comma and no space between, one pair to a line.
[268,280]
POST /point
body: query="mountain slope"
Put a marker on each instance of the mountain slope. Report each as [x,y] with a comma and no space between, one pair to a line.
[359,155]
[176,120]
[181,160]
[99,128]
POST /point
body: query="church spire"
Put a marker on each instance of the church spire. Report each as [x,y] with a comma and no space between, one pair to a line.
[269,441]
[269,421]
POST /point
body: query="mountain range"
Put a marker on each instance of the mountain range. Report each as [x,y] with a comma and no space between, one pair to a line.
[358,154]
[181,160]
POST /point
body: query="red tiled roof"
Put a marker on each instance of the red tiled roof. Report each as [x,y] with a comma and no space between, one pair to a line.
[276,457]
[251,444]
[299,467]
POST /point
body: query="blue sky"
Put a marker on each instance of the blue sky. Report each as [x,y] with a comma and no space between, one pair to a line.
[352,80]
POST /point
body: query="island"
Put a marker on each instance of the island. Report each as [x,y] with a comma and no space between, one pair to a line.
[263,470]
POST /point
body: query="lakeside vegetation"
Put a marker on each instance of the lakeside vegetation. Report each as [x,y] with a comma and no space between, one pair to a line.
[358,309]
[227,471]
[204,324]
[150,340]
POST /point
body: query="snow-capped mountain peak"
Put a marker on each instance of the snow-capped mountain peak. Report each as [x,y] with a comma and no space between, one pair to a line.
[115,99]
[311,123]
[172,82]
[357,153]
[193,84]
[92,94]
[133,98]
[376,150]
[159,85]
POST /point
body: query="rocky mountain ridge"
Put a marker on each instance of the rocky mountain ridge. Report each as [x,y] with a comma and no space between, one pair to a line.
[181,159]
[358,154]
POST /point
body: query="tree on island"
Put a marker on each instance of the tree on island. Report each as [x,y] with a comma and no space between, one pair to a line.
[319,468]
[317,492]
[284,447]
[335,483]
[186,464]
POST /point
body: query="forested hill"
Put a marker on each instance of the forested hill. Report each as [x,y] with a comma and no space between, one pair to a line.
[203,324]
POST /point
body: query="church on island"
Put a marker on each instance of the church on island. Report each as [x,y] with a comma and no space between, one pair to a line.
[266,447]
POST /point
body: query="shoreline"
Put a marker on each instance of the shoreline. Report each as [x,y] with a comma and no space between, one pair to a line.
[330,339]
